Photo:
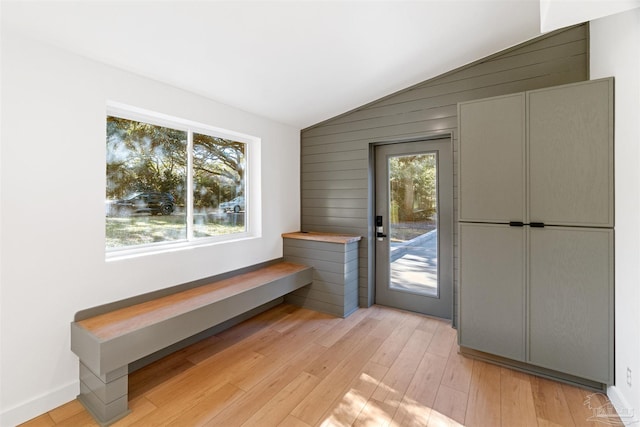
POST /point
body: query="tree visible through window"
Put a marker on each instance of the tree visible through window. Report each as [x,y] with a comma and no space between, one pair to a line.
[413,195]
[150,170]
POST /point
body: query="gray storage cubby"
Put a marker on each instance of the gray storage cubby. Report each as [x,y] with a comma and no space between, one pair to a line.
[334,258]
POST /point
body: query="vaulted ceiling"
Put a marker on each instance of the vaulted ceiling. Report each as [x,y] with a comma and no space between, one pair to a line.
[296,62]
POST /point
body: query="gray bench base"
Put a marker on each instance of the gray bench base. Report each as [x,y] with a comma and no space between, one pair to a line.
[106,398]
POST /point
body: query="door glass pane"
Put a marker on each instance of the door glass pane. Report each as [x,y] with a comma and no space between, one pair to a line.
[413,228]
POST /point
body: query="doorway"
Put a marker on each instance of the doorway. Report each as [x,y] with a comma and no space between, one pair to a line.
[414,226]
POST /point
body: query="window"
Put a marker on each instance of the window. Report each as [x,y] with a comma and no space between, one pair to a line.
[170,181]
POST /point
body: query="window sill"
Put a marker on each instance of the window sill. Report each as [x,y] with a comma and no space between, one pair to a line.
[115,255]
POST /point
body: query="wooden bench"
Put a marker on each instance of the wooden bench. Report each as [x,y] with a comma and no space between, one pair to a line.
[107,343]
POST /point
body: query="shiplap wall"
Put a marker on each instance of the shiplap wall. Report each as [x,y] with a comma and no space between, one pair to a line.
[337,184]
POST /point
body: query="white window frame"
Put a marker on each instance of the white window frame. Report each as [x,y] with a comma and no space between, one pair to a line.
[252,187]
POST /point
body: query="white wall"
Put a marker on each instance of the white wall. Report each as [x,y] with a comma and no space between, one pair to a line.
[555,14]
[52,199]
[615,51]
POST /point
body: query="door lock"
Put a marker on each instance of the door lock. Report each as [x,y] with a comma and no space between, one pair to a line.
[379,229]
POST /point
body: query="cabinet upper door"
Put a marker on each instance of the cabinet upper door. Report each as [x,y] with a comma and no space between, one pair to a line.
[492,159]
[571,154]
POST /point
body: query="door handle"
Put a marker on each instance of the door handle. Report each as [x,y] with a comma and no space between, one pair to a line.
[379,228]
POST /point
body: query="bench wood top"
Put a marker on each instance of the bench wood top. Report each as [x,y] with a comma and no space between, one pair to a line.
[129,319]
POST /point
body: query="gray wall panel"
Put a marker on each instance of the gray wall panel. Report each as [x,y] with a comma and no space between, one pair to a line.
[381,120]
[352,204]
[335,212]
[335,175]
[342,230]
[332,221]
[361,193]
[564,73]
[336,166]
[540,53]
[334,157]
[483,74]
[424,110]
[403,128]
[331,148]
[328,184]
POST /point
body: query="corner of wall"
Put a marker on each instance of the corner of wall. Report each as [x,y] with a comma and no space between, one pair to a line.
[624,409]
[614,46]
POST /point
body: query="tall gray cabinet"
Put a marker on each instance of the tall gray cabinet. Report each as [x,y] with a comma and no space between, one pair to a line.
[536,229]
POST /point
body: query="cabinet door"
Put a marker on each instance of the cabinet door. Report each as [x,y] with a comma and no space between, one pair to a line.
[492,289]
[571,301]
[492,159]
[571,154]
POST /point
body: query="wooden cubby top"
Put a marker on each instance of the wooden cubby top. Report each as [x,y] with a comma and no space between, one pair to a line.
[322,237]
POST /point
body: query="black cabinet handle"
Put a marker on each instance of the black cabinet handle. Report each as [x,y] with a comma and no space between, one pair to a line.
[516,224]
[537,224]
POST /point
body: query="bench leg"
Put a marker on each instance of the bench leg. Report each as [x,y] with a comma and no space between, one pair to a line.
[104,396]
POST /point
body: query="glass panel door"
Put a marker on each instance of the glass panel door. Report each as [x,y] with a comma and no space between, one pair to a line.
[414,226]
[413,219]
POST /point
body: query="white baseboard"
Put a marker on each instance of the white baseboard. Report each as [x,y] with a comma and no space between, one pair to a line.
[629,415]
[25,411]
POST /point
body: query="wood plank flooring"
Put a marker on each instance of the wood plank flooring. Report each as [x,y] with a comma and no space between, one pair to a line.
[298,368]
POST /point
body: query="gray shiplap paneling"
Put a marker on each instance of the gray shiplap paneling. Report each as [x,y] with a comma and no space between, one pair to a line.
[322,254]
[424,110]
[441,95]
[335,275]
[336,166]
[519,57]
[332,221]
[353,204]
[334,212]
[360,193]
[334,157]
[439,122]
[331,184]
[336,175]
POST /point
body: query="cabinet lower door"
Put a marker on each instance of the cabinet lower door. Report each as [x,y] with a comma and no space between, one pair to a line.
[570,320]
[492,289]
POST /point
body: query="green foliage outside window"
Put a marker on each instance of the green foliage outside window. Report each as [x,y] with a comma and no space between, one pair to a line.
[144,157]
[147,180]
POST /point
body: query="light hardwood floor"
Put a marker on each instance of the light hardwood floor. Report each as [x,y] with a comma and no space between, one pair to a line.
[296,368]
